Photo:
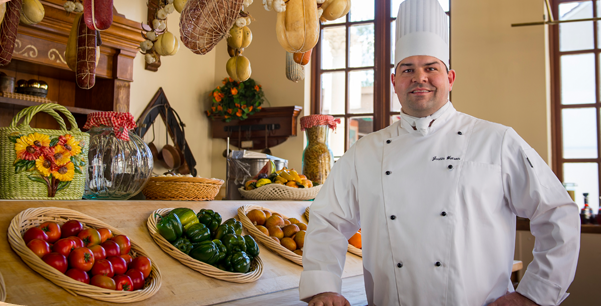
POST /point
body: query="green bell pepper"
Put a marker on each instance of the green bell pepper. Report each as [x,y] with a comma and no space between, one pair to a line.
[169,227]
[252,248]
[198,233]
[223,230]
[207,252]
[183,244]
[236,224]
[210,218]
[186,216]
[237,262]
[222,250]
[234,243]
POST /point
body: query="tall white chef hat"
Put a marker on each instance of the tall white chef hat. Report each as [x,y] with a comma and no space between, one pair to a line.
[421,29]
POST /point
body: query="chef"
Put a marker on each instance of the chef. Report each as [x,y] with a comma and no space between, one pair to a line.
[436,195]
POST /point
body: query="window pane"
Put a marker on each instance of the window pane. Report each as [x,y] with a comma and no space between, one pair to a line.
[395,105]
[332,93]
[362,45]
[333,50]
[361,91]
[359,127]
[576,35]
[578,79]
[362,10]
[598,24]
[337,140]
[579,135]
[586,178]
[394,6]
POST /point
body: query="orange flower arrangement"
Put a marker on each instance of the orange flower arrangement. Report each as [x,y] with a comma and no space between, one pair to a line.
[235,100]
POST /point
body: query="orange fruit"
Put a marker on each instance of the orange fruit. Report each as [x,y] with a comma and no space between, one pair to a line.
[287,222]
[293,220]
[274,220]
[356,240]
[277,214]
[288,243]
[263,229]
[267,214]
[292,184]
[301,226]
[275,231]
[299,238]
[276,239]
[290,230]
[256,216]
[299,252]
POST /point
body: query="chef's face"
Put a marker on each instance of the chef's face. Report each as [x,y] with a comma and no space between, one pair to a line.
[422,84]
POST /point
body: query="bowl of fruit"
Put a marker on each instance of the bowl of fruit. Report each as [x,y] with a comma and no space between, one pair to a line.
[284,184]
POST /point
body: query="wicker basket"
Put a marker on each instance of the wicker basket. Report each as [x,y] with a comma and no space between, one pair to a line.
[182,188]
[351,249]
[266,240]
[2,289]
[280,192]
[199,266]
[35,216]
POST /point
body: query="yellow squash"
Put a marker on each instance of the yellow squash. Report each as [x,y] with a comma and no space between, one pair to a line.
[71,52]
[297,29]
[166,44]
[179,5]
[238,68]
[240,37]
[32,12]
[334,9]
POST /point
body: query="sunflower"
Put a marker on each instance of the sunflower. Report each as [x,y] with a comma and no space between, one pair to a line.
[26,150]
[39,140]
[65,172]
[44,166]
[61,155]
[70,144]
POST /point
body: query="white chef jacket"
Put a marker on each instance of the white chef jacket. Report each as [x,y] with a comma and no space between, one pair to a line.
[438,217]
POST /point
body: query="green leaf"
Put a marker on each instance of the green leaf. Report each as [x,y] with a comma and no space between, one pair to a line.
[30,164]
[21,162]
[13,139]
[36,178]
[77,170]
[53,142]
[62,185]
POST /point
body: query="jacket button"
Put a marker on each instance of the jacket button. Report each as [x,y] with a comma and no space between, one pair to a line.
[399,265]
[459,133]
[388,173]
[437,264]
[388,141]
[450,167]
[392,217]
[444,213]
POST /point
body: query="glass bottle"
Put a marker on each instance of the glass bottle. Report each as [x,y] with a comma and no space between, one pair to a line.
[586,213]
[118,169]
[318,159]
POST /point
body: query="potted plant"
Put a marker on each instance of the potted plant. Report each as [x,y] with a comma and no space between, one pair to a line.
[235,100]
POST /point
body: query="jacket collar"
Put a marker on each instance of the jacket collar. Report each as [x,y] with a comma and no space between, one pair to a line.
[427,124]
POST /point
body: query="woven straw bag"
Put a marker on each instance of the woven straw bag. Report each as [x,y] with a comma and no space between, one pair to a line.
[2,289]
[264,239]
[351,249]
[35,216]
[256,267]
[20,177]
[280,192]
[182,188]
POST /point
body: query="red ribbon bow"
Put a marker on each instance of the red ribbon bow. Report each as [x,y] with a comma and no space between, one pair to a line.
[121,122]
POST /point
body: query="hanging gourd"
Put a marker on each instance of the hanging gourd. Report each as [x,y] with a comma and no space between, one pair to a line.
[294,71]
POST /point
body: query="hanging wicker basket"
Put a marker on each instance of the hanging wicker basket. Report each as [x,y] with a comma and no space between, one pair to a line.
[35,216]
[351,249]
[256,268]
[266,240]
[204,23]
[2,289]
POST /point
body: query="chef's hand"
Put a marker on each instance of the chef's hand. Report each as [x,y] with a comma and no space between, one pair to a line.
[513,299]
[329,299]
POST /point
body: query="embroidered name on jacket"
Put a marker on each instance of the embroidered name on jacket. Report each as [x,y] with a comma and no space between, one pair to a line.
[447,158]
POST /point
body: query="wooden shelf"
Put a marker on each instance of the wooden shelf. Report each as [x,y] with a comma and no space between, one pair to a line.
[281,123]
[26,103]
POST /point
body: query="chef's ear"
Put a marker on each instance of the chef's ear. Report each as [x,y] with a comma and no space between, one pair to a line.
[392,75]
[451,76]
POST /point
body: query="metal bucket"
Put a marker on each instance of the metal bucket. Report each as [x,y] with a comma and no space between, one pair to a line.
[237,176]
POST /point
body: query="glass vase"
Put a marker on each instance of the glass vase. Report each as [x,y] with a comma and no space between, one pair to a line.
[118,169]
[318,159]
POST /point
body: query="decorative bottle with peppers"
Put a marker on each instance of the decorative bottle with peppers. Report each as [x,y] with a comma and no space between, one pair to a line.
[586,213]
[120,162]
[318,159]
